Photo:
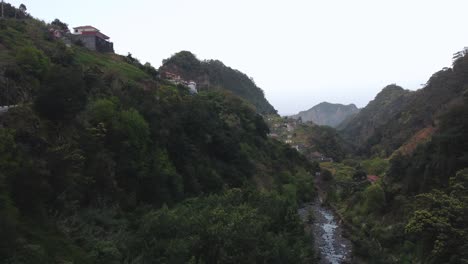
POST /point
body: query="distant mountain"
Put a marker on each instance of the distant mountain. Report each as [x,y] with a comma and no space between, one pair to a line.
[212,75]
[328,114]
[398,118]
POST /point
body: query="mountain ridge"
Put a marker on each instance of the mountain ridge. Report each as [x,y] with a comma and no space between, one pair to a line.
[395,115]
[327,114]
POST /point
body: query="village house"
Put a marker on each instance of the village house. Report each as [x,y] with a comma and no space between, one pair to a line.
[192,87]
[372,178]
[93,39]
[273,135]
[317,156]
[176,79]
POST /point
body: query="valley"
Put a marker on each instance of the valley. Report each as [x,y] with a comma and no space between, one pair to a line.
[106,159]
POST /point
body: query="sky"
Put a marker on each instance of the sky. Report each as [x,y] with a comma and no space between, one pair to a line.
[300,52]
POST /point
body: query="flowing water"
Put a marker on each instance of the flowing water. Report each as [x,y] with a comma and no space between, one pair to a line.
[327,231]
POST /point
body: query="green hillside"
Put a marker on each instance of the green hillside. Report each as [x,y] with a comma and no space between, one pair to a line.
[213,74]
[103,162]
[404,196]
[396,115]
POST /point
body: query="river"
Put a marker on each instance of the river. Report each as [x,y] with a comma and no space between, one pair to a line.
[329,241]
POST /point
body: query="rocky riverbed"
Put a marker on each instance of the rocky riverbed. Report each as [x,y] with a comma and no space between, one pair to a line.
[327,232]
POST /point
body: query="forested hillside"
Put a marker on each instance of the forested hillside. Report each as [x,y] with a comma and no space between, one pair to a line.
[396,115]
[404,197]
[214,75]
[103,162]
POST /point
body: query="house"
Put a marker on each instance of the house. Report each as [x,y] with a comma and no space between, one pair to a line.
[93,39]
[56,33]
[176,79]
[317,156]
[372,178]
[192,87]
[273,135]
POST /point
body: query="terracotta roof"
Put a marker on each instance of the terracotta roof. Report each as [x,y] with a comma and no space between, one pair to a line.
[95,33]
[372,178]
[82,27]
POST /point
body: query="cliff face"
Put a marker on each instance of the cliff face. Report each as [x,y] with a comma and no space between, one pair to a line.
[212,75]
[327,114]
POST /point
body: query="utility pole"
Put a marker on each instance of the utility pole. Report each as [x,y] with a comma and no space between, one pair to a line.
[2,10]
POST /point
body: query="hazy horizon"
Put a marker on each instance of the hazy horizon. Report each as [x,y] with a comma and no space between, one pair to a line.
[300,53]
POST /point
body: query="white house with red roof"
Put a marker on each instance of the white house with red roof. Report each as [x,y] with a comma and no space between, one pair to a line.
[93,39]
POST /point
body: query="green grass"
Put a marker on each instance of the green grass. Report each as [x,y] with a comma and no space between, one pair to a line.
[340,171]
[109,62]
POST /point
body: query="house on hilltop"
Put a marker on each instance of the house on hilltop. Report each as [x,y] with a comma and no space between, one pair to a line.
[93,39]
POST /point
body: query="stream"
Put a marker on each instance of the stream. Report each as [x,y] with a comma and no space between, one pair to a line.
[327,232]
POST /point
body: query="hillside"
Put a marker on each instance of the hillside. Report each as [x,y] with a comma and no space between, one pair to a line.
[404,196]
[396,115]
[386,105]
[327,114]
[317,143]
[101,161]
[213,75]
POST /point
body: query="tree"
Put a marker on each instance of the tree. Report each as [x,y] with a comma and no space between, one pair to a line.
[374,198]
[61,25]
[22,8]
[326,175]
[360,175]
[33,61]
[62,94]
[439,224]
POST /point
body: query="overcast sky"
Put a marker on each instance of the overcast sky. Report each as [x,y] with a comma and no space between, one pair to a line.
[300,52]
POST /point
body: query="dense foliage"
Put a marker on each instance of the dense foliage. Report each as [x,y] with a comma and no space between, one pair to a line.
[102,162]
[416,212]
[396,117]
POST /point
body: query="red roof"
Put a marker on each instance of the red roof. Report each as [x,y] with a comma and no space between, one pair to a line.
[372,178]
[95,33]
[84,27]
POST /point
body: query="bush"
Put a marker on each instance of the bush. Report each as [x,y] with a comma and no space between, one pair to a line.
[33,61]
[326,175]
[374,198]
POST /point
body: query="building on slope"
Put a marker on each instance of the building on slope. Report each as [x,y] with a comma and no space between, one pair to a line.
[176,79]
[93,39]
